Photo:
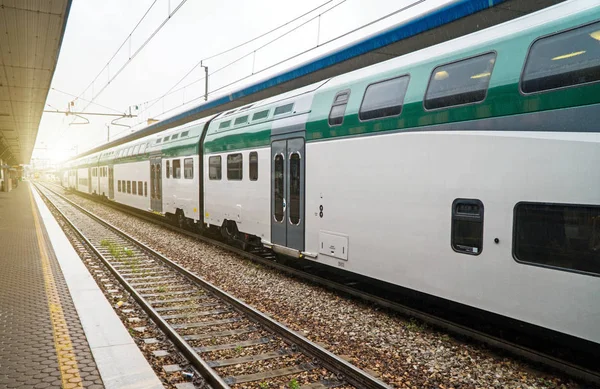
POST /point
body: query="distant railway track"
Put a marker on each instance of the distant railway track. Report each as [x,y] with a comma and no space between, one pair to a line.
[190,310]
[267,258]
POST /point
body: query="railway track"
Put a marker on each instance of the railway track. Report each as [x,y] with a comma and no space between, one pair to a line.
[264,257]
[211,328]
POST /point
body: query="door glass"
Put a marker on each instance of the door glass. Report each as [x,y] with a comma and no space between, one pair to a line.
[153,183]
[295,188]
[158,182]
[278,176]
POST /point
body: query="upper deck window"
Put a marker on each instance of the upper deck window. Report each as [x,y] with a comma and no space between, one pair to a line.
[159,140]
[562,60]
[224,124]
[241,120]
[175,136]
[166,138]
[260,115]
[185,133]
[283,109]
[461,82]
[384,98]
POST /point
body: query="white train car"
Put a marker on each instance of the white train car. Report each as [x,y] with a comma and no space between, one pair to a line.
[464,172]
[237,163]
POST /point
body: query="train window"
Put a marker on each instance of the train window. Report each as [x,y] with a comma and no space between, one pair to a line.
[224,124]
[278,189]
[168,169]
[140,188]
[283,109]
[175,136]
[165,139]
[188,168]
[234,166]
[241,120]
[176,168]
[338,109]
[253,166]
[562,60]
[384,98]
[130,151]
[561,236]
[143,148]
[214,168]
[295,182]
[119,185]
[136,150]
[462,82]
[159,140]
[260,115]
[133,188]
[467,226]
[185,133]
[128,186]
[145,189]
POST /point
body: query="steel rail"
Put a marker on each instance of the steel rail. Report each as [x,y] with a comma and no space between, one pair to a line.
[346,371]
[452,327]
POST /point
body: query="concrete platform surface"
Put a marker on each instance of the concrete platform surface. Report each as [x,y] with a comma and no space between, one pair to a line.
[56,328]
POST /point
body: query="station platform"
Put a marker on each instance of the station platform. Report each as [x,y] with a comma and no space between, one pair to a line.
[57,330]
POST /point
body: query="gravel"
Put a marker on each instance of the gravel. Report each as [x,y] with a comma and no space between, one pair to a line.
[401,352]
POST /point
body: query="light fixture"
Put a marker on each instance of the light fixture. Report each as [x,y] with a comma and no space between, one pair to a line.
[596,35]
[441,75]
[570,55]
[481,75]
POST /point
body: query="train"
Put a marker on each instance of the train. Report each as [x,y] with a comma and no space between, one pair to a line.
[467,171]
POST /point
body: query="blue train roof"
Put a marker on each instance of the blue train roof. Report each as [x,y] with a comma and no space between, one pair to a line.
[448,21]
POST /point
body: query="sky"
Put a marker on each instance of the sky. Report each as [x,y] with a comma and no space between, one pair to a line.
[87,79]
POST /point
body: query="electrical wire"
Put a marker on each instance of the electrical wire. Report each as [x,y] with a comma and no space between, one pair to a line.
[169,17]
[76,97]
[119,49]
[229,50]
[415,3]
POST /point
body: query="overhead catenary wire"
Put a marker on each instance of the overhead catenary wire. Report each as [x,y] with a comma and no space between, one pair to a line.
[169,17]
[413,4]
[153,101]
[118,50]
[80,98]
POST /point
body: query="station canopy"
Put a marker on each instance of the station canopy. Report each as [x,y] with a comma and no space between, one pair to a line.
[31,33]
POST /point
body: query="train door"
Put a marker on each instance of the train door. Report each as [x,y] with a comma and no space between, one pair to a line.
[89,181]
[111,182]
[156,184]
[287,192]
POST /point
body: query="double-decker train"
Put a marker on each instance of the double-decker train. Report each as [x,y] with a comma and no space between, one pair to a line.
[468,171]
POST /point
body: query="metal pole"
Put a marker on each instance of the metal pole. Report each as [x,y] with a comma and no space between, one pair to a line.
[205,81]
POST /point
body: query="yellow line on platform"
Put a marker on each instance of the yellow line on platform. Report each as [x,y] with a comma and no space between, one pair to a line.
[67,363]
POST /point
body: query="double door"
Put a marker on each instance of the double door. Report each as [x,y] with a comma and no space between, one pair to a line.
[287,192]
[156,184]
